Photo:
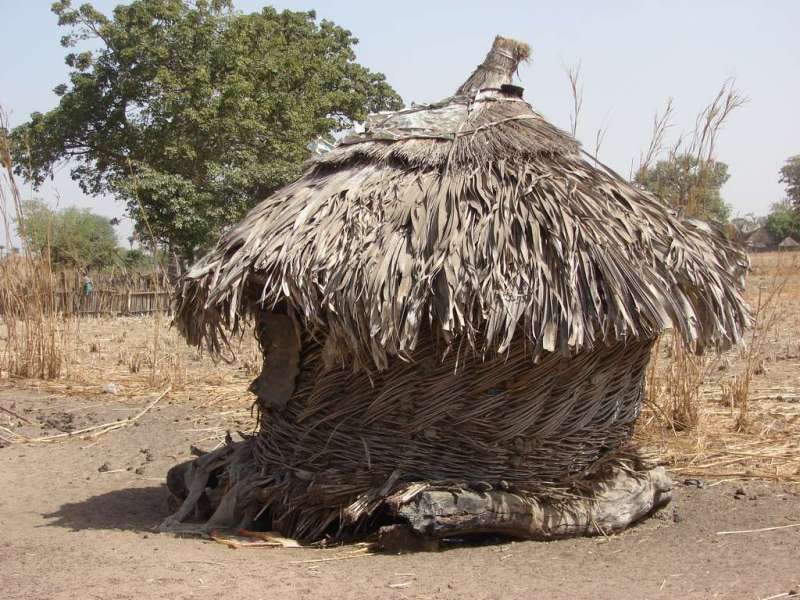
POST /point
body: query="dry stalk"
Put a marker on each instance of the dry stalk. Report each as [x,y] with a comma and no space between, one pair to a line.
[661,123]
[35,336]
[576,89]
[675,394]
[157,322]
[675,398]
[599,137]
[767,312]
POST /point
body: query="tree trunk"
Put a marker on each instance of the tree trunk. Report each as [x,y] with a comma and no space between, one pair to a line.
[613,503]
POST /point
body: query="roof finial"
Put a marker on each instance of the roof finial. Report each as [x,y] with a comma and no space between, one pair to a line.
[498,67]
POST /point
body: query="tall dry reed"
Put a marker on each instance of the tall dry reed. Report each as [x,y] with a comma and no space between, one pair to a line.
[675,380]
[768,309]
[34,336]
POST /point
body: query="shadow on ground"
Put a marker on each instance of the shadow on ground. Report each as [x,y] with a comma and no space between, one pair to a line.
[131,509]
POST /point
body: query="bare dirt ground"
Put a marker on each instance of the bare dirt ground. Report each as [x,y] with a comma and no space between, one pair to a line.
[79,513]
[78,518]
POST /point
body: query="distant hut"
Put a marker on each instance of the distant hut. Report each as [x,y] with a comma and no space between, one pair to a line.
[456,309]
[789,244]
[760,240]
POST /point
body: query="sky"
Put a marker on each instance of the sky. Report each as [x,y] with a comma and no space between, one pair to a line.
[634,55]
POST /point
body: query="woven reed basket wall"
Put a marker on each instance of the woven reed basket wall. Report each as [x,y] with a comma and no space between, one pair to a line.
[342,435]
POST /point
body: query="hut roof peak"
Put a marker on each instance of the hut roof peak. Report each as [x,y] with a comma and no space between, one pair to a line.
[498,68]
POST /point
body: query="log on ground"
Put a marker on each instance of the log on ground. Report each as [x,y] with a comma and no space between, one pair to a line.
[612,503]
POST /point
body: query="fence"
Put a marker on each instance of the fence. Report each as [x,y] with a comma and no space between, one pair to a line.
[113,302]
[112,294]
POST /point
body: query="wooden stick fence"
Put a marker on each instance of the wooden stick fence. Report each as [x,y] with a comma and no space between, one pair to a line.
[112,301]
[109,294]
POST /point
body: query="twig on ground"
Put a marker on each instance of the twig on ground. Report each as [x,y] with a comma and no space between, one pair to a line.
[13,434]
[403,584]
[357,554]
[783,595]
[15,415]
[759,530]
[5,439]
[99,430]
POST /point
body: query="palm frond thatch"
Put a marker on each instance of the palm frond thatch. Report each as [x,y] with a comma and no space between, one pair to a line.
[479,217]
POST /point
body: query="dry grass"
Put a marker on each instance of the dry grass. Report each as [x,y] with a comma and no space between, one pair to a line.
[141,355]
[735,415]
[730,416]
[33,337]
[32,334]
[113,358]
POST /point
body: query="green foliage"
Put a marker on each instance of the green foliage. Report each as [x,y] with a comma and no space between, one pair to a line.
[784,220]
[136,260]
[74,237]
[144,260]
[134,256]
[195,112]
[689,186]
[790,175]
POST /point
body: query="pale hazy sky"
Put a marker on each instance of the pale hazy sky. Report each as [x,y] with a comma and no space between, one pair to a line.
[634,55]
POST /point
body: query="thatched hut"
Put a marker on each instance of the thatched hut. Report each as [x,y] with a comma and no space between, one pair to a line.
[760,240]
[456,309]
[789,244]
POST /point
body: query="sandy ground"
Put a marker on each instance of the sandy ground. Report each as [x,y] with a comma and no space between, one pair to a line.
[78,515]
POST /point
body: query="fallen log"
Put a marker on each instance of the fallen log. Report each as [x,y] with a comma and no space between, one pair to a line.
[611,504]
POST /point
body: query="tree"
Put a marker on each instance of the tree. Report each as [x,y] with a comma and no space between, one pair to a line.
[784,220]
[141,261]
[739,228]
[790,175]
[191,113]
[73,237]
[689,185]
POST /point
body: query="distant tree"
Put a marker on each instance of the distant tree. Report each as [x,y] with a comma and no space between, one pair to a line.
[739,228]
[689,185]
[784,220]
[136,260]
[194,111]
[73,237]
[790,175]
[748,223]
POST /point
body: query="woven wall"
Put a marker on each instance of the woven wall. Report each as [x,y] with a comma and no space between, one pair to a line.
[507,419]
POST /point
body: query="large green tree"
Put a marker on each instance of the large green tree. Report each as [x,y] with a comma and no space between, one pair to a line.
[784,220]
[191,112]
[689,185]
[790,176]
[72,237]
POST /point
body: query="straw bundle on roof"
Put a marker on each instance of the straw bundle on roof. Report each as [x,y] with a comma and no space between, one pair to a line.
[457,294]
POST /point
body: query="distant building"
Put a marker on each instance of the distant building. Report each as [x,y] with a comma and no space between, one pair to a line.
[760,240]
[789,244]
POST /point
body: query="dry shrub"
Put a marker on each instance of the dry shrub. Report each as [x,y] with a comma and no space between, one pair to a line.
[678,380]
[768,309]
[674,384]
[674,389]
[34,335]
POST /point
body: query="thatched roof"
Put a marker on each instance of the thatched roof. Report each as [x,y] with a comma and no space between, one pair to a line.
[789,242]
[760,238]
[479,219]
